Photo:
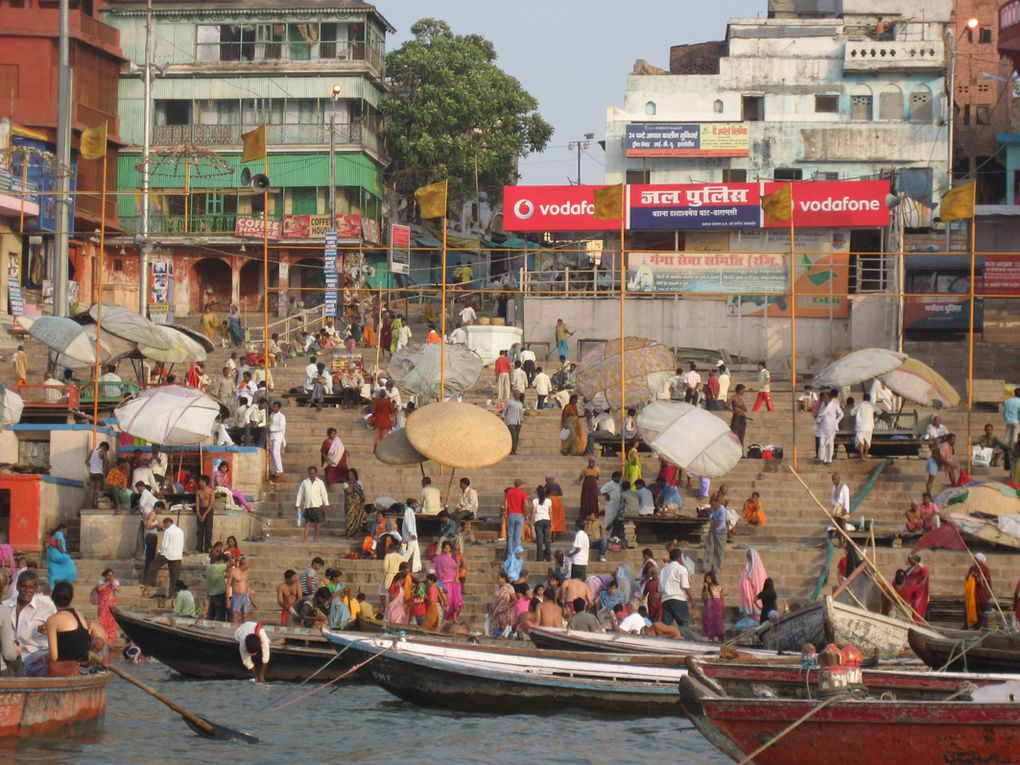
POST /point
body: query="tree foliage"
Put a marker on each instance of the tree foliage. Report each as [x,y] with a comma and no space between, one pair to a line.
[450,105]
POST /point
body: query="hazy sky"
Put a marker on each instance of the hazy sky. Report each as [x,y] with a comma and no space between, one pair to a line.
[574,56]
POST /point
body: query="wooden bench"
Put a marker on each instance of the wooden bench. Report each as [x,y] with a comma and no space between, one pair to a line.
[885,443]
[657,529]
[989,393]
[610,443]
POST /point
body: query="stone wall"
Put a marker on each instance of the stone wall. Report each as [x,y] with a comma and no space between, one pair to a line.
[111,537]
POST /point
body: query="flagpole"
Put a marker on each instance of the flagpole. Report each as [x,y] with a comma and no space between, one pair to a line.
[793,326]
[623,294]
[442,314]
[973,300]
[265,298]
[98,278]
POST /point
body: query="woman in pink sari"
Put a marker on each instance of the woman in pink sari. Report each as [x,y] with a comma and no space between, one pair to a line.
[104,596]
[396,612]
[446,572]
[221,480]
[752,578]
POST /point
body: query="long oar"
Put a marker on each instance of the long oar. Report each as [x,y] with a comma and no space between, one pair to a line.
[198,724]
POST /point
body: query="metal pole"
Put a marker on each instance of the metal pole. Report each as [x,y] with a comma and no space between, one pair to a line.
[579,170]
[793,325]
[143,266]
[951,122]
[64,95]
[901,271]
[332,166]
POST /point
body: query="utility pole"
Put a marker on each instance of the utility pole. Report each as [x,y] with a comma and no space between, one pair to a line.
[580,146]
[145,245]
[63,223]
[950,122]
[337,90]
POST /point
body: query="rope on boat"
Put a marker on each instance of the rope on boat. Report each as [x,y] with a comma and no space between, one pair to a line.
[964,645]
[336,679]
[793,726]
[315,673]
[965,688]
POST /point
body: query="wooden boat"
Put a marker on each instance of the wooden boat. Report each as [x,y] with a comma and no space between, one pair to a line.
[559,638]
[31,706]
[966,651]
[829,621]
[877,732]
[458,678]
[755,680]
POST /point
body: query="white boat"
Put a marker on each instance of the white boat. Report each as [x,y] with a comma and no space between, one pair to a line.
[561,638]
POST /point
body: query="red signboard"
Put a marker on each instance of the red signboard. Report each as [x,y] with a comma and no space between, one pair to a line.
[553,208]
[836,204]
[252,228]
[348,226]
[1002,275]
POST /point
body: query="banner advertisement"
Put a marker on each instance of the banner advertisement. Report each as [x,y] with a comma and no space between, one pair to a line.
[348,226]
[160,292]
[400,249]
[1002,275]
[305,226]
[329,274]
[695,206]
[670,139]
[836,204]
[553,208]
[253,228]
[720,273]
[371,231]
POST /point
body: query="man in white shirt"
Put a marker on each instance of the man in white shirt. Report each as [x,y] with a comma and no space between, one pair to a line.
[675,586]
[409,533]
[311,372]
[692,382]
[431,498]
[468,315]
[277,440]
[143,474]
[645,497]
[253,643]
[468,504]
[611,491]
[255,427]
[109,383]
[312,501]
[146,503]
[634,623]
[160,465]
[840,496]
[28,612]
[936,429]
[459,335]
[171,552]
[578,553]
[864,425]
[543,387]
[518,379]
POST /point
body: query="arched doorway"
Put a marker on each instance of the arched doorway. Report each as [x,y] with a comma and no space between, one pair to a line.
[306,281]
[210,282]
[251,288]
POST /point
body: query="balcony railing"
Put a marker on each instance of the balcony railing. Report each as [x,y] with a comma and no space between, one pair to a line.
[328,52]
[869,55]
[349,133]
[221,224]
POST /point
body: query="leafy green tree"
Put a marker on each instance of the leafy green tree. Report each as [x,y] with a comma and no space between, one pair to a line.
[453,111]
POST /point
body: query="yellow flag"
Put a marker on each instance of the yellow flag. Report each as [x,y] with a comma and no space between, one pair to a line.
[779,204]
[609,202]
[958,203]
[432,199]
[93,142]
[254,144]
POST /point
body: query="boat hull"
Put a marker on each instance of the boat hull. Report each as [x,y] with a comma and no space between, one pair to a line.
[32,707]
[960,651]
[875,732]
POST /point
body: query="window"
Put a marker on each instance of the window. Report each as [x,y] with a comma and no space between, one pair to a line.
[8,82]
[966,115]
[734,175]
[985,35]
[639,176]
[787,174]
[650,109]
[304,201]
[717,106]
[828,104]
[752,108]
[173,112]
[118,265]
[890,104]
[860,108]
[824,175]
[920,104]
[982,115]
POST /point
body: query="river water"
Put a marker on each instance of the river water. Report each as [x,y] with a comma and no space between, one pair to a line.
[358,723]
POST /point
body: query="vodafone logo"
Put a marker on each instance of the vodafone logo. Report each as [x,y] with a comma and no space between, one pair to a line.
[846,204]
[524,209]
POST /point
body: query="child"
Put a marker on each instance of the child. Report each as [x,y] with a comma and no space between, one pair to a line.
[768,599]
[184,603]
[435,603]
[367,609]
[419,607]
[713,619]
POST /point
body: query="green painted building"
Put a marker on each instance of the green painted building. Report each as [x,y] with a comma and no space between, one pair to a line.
[223,67]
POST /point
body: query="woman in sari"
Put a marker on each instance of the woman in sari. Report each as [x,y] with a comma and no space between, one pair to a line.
[752,579]
[234,327]
[557,513]
[396,611]
[573,424]
[713,614]
[383,414]
[59,565]
[589,479]
[501,609]
[368,333]
[754,513]
[446,572]
[632,470]
[222,485]
[386,332]
[333,456]
[977,592]
[231,549]
[382,533]
[628,587]
[212,324]
[395,326]
[650,581]
[354,505]
[104,596]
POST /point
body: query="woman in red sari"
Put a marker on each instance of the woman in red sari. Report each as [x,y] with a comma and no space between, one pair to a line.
[383,413]
[977,593]
[589,491]
[916,586]
[650,581]
[334,458]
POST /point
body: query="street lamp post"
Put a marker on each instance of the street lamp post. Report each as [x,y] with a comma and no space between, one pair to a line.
[337,90]
[580,146]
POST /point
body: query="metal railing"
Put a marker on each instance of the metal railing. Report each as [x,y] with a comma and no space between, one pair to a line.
[49,396]
[289,328]
[355,133]
[298,52]
[222,224]
[569,281]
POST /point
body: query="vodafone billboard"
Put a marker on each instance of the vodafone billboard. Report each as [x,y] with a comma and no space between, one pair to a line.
[553,208]
[836,204]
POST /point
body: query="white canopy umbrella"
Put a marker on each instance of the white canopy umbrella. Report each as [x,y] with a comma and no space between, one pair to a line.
[181,348]
[690,437]
[170,415]
[916,381]
[66,338]
[130,325]
[857,367]
[416,369]
[11,406]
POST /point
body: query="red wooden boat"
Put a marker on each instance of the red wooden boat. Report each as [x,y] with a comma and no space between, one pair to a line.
[876,732]
[31,706]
